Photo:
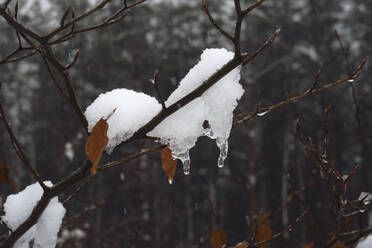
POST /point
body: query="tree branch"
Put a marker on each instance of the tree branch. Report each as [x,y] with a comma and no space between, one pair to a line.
[19,150]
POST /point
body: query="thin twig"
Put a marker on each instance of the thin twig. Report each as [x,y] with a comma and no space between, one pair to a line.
[286,229]
[155,83]
[252,7]
[78,190]
[249,116]
[129,158]
[19,150]
[213,21]
[59,87]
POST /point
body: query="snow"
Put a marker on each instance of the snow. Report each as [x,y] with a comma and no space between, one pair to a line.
[366,197]
[69,151]
[365,243]
[209,115]
[74,234]
[132,111]
[182,129]
[17,209]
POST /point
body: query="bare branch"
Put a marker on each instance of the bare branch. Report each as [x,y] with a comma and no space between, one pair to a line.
[155,83]
[18,26]
[59,87]
[129,158]
[74,61]
[64,16]
[247,58]
[48,53]
[286,229]
[5,4]
[78,190]
[88,13]
[19,150]
[249,116]
[253,6]
[213,21]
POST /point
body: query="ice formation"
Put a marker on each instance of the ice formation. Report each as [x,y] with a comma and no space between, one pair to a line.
[210,115]
[127,110]
[18,208]
[216,106]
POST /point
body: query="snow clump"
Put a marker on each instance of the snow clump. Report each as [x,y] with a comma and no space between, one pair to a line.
[18,207]
[209,115]
[182,129]
[365,197]
[365,243]
[132,111]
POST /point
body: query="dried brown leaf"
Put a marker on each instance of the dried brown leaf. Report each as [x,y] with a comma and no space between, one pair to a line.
[168,163]
[263,231]
[97,143]
[308,245]
[265,217]
[242,244]
[347,224]
[338,244]
[218,238]
[4,173]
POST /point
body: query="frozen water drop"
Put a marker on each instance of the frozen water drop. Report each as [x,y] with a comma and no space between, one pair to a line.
[122,176]
[351,80]
[185,158]
[186,167]
[263,113]
[208,132]
[170,181]
[224,146]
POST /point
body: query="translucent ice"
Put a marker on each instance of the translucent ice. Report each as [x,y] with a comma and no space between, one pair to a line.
[182,129]
[208,115]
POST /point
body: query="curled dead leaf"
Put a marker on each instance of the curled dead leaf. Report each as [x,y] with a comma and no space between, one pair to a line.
[263,231]
[218,238]
[338,244]
[168,164]
[4,175]
[96,143]
[308,245]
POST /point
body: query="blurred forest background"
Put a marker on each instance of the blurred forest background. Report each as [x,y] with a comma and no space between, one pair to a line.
[134,203]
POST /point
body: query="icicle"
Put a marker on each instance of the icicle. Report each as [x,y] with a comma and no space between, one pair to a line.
[185,158]
[186,166]
[224,146]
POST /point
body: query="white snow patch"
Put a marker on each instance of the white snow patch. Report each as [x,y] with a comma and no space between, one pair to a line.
[132,111]
[365,243]
[216,105]
[69,151]
[366,197]
[74,234]
[210,115]
[18,208]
